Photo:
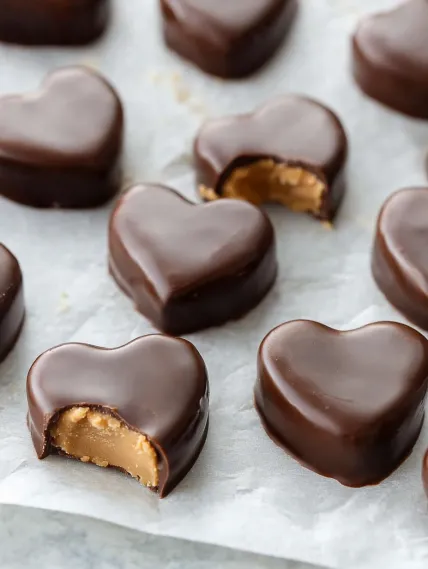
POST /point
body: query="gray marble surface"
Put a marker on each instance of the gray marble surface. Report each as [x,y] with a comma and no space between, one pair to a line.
[35,539]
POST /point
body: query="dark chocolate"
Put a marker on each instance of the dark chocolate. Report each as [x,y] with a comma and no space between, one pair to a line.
[425,473]
[53,22]
[390,58]
[187,266]
[300,145]
[227,38]
[348,405]
[156,385]
[61,146]
[11,301]
[400,253]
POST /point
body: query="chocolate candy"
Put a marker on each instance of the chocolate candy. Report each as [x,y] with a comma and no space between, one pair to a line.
[51,22]
[348,405]
[60,147]
[400,253]
[425,473]
[226,38]
[141,408]
[292,151]
[390,58]
[188,266]
[11,301]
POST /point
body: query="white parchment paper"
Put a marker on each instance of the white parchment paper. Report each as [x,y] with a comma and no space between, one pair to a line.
[244,492]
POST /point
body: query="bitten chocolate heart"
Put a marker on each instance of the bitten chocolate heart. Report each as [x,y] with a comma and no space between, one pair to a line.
[292,151]
[188,266]
[400,253]
[425,473]
[348,405]
[52,22]
[141,408]
[61,146]
[11,301]
[390,58]
[224,38]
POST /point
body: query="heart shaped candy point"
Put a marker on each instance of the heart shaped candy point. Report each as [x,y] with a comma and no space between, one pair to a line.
[49,22]
[291,151]
[61,146]
[228,39]
[141,408]
[348,405]
[400,253]
[11,301]
[186,266]
[390,57]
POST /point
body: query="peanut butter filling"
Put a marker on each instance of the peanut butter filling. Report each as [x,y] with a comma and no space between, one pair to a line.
[270,181]
[97,437]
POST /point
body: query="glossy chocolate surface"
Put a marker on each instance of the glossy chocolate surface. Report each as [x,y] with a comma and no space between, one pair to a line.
[156,385]
[348,405]
[400,253]
[187,266]
[226,38]
[11,301]
[52,22]
[61,146]
[293,130]
[390,58]
[425,473]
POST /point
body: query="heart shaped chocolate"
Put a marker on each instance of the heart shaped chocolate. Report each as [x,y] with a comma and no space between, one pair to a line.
[224,38]
[142,408]
[188,266]
[390,58]
[400,253]
[61,146]
[52,22]
[11,301]
[292,151]
[348,405]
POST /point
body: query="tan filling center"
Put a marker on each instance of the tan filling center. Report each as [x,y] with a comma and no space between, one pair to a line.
[96,437]
[270,181]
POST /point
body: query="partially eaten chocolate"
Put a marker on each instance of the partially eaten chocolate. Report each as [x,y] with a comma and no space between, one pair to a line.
[268,181]
[141,408]
[291,151]
[98,437]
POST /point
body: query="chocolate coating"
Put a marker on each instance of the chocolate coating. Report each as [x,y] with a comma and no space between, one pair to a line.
[11,301]
[52,22]
[348,405]
[187,266]
[224,38]
[156,385]
[390,58]
[292,130]
[61,146]
[425,473]
[400,253]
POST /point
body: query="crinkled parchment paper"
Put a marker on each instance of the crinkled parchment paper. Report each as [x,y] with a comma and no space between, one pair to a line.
[244,492]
